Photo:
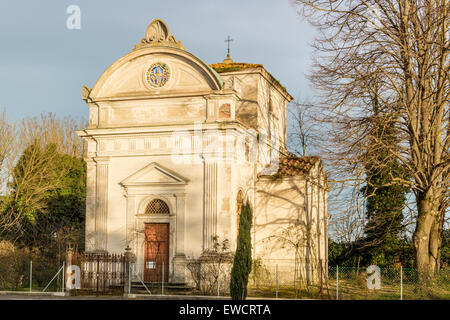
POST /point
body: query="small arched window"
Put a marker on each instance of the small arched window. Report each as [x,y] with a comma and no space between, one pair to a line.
[157,206]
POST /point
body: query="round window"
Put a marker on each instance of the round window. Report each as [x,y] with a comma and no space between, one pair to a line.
[157,75]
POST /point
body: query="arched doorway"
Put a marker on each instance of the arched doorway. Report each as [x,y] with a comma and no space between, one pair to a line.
[156,256]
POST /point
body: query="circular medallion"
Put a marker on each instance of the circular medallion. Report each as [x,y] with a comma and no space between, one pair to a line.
[157,75]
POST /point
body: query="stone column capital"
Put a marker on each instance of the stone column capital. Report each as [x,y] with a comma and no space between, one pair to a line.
[102,160]
[90,160]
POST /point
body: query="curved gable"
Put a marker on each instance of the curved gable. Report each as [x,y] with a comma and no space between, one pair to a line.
[128,76]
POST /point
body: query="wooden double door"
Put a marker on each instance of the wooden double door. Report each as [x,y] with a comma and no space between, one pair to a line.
[156,258]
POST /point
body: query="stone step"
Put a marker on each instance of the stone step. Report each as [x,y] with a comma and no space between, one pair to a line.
[179,287]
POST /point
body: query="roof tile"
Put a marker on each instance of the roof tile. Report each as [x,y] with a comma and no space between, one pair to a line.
[293,166]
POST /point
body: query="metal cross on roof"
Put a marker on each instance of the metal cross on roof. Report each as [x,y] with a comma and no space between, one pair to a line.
[228,40]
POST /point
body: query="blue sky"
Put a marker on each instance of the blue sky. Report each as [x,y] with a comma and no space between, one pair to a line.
[43,64]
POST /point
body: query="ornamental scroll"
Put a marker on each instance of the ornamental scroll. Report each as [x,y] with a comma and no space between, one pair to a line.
[158,34]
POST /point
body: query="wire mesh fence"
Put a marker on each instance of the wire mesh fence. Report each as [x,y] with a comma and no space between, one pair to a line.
[24,269]
[290,279]
[269,278]
[32,275]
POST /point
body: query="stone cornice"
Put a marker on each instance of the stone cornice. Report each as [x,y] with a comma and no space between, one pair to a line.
[146,96]
[266,75]
[160,129]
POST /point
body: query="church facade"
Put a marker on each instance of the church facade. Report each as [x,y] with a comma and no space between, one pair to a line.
[175,146]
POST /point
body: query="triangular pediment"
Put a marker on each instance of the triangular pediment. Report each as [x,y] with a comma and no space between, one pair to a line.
[154,174]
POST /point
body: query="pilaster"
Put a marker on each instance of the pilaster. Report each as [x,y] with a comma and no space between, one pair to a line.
[179,261]
[101,217]
[91,199]
[210,203]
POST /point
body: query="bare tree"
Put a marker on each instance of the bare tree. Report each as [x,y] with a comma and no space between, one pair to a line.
[297,236]
[48,129]
[404,45]
[210,273]
[300,136]
[7,151]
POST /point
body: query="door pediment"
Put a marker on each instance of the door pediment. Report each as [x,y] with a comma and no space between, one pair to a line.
[154,174]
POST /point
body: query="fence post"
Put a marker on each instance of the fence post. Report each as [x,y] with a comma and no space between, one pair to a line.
[218,281]
[129,277]
[97,273]
[69,253]
[401,282]
[63,274]
[127,267]
[337,282]
[31,275]
[276,281]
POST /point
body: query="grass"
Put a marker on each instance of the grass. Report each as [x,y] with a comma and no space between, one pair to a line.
[356,289]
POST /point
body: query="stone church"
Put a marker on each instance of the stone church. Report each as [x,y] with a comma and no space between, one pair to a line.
[175,146]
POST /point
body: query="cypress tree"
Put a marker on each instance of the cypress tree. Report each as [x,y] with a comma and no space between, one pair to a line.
[242,263]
